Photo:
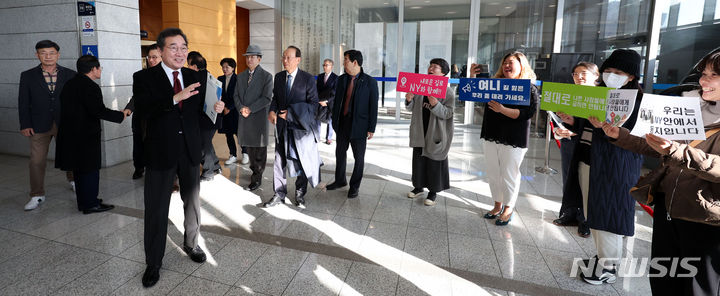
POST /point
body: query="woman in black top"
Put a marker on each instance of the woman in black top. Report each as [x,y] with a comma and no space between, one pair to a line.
[506,132]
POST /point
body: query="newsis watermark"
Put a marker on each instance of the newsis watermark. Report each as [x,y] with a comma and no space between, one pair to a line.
[637,267]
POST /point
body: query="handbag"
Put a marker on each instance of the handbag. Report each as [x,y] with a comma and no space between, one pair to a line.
[646,189]
[323,113]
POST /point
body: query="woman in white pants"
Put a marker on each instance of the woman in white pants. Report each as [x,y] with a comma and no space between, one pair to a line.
[506,132]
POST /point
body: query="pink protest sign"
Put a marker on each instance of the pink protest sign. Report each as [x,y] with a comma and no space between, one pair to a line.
[422,84]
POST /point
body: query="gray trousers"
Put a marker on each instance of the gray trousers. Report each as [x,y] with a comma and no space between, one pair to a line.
[280,177]
[158,189]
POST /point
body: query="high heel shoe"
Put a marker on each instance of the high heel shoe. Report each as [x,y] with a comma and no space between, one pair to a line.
[499,222]
[493,216]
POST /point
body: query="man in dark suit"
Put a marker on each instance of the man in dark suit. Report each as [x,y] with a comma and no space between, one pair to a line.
[292,111]
[354,119]
[138,127]
[39,113]
[208,159]
[326,95]
[168,99]
[252,97]
[78,140]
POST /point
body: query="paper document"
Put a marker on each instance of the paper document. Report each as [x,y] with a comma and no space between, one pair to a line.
[213,93]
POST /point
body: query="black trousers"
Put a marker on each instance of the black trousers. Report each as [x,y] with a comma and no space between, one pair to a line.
[209,160]
[358,149]
[230,139]
[258,160]
[137,131]
[684,239]
[158,188]
[86,189]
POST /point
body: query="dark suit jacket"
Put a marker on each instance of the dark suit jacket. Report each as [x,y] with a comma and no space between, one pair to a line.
[363,107]
[37,107]
[153,94]
[78,140]
[301,104]
[230,120]
[326,90]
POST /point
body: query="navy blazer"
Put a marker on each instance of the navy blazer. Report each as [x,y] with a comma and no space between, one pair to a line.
[165,120]
[364,106]
[326,90]
[37,107]
[303,91]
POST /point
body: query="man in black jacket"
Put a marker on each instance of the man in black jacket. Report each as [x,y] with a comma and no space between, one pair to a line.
[326,94]
[167,98]
[208,159]
[354,118]
[39,113]
[78,140]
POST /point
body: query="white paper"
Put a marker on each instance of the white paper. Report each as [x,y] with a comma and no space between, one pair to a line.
[213,93]
[556,119]
[671,118]
[620,104]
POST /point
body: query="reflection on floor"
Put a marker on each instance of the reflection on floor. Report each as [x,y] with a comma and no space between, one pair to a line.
[381,243]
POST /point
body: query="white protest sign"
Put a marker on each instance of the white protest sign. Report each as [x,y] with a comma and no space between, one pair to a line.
[671,118]
[620,104]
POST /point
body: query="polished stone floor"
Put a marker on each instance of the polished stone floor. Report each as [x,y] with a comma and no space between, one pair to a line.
[381,243]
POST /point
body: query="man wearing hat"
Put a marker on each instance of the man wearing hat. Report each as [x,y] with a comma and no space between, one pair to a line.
[253,93]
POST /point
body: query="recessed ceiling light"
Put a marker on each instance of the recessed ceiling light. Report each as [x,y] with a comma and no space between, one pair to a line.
[415,7]
[427,1]
[451,12]
[497,14]
[551,5]
[493,3]
[386,3]
[508,7]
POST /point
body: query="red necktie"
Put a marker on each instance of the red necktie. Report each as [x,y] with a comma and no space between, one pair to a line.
[176,85]
[348,96]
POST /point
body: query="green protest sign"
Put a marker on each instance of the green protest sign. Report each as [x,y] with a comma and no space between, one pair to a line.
[576,100]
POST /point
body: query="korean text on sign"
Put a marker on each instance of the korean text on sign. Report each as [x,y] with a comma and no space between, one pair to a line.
[576,100]
[672,118]
[504,91]
[422,84]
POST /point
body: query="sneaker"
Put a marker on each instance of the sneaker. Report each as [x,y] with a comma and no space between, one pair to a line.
[246,158]
[231,160]
[34,202]
[430,200]
[72,185]
[606,276]
[415,193]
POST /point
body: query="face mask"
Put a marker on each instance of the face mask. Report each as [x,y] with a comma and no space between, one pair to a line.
[614,80]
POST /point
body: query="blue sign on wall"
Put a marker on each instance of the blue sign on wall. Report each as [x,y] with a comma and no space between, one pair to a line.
[89,49]
[504,91]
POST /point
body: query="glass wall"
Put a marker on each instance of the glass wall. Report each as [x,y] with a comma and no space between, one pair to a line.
[591,30]
[689,30]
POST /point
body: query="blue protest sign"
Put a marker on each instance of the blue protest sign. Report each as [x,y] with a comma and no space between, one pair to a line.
[504,91]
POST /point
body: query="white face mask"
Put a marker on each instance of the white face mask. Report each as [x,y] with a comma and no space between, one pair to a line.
[614,80]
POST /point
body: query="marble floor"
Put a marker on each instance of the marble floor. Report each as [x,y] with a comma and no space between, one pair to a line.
[381,243]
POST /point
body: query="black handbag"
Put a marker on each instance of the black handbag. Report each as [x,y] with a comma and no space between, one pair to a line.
[323,113]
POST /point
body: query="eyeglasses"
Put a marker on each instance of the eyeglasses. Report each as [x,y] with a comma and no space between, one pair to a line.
[581,74]
[175,49]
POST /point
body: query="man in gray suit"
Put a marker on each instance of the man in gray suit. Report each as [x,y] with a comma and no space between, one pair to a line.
[253,94]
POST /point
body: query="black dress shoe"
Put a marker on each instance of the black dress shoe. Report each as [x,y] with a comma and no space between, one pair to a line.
[275,200]
[151,276]
[196,254]
[138,174]
[300,198]
[205,179]
[218,171]
[565,220]
[99,208]
[335,185]
[253,186]
[583,230]
[353,192]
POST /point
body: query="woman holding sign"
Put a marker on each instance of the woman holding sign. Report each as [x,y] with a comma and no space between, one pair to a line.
[571,210]
[686,227]
[506,131]
[607,172]
[431,133]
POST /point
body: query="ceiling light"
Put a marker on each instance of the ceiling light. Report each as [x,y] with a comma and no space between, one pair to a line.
[451,12]
[415,7]
[508,7]
[551,5]
[493,3]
